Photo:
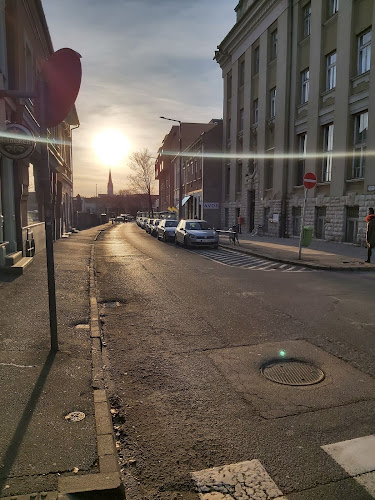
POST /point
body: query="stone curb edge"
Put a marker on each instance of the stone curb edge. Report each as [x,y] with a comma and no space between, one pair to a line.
[108,480]
[298,262]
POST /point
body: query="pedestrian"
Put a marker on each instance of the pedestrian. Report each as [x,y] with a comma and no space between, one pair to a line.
[370,233]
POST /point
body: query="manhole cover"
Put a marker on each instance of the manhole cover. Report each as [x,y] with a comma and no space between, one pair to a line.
[292,372]
[75,416]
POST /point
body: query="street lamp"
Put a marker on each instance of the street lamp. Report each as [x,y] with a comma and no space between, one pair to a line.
[180,164]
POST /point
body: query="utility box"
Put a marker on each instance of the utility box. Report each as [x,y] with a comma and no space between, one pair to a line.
[307,236]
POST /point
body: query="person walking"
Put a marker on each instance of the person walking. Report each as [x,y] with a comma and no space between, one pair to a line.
[370,233]
[240,222]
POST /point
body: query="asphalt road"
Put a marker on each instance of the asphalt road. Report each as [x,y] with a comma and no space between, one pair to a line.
[186,339]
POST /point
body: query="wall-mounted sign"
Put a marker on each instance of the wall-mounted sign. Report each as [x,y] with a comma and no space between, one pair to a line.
[210,206]
[16,141]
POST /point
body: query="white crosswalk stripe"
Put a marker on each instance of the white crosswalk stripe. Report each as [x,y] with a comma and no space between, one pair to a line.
[234,259]
[357,458]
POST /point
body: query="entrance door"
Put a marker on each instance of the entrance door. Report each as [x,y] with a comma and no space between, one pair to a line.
[251,208]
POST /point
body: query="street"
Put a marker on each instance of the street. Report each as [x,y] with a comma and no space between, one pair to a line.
[186,340]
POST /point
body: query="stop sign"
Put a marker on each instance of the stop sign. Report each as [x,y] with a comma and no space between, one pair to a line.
[309,180]
[62,73]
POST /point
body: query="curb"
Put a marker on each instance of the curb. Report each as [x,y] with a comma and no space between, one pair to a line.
[107,482]
[292,262]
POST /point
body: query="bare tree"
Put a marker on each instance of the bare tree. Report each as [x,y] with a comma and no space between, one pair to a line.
[142,179]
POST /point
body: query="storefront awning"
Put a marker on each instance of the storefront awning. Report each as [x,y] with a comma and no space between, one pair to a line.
[185,199]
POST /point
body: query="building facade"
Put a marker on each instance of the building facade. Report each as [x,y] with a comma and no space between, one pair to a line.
[24,42]
[294,84]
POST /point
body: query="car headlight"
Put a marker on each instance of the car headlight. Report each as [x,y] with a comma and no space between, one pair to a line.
[192,236]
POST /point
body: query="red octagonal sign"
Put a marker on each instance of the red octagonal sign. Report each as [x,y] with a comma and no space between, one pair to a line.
[309,180]
[62,72]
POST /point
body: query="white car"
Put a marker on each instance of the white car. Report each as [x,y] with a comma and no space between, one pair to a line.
[194,232]
[167,229]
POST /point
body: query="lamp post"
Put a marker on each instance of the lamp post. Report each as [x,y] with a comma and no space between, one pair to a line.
[180,165]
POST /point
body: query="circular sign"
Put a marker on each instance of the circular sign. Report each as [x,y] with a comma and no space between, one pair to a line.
[62,73]
[16,141]
[309,180]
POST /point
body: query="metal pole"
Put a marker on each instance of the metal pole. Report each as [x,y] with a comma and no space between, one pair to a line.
[302,225]
[48,217]
[180,176]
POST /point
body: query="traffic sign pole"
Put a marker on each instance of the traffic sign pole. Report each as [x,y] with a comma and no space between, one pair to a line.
[309,182]
[302,226]
[48,217]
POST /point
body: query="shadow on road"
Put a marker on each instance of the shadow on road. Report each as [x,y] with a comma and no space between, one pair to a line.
[14,446]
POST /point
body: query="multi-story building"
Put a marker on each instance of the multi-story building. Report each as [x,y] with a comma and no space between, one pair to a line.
[299,78]
[24,43]
[167,165]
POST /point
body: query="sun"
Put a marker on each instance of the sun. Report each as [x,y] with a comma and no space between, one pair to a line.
[111,146]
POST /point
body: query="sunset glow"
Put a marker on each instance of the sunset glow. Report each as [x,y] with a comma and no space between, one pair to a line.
[111,147]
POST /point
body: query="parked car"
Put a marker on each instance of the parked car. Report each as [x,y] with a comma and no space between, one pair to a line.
[154,227]
[148,225]
[166,229]
[144,222]
[193,232]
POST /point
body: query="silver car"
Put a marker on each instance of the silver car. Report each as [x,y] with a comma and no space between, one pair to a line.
[193,232]
[167,229]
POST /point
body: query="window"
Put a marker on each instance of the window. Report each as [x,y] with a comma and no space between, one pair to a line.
[229,85]
[227,181]
[320,222]
[305,76]
[229,128]
[256,60]
[273,52]
[364,52]
[307,20]
[327,148]
[273,103]
[255,111]
[333,7]
[268,175]
[351,229]
[32,203]
[360,141]
[238,180]
[241,76]
[302,142]
[331,71]
[241,118]
[296,220]
[29,76]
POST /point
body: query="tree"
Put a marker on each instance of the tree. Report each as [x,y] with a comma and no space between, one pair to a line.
[142,179]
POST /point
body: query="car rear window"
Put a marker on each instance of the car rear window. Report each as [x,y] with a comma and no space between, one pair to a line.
[198,225]
[171,223]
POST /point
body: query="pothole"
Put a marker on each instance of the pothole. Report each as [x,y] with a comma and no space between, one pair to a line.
[75,416]
[292,372]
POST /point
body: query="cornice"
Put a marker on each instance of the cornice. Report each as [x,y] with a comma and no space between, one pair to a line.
[247,23]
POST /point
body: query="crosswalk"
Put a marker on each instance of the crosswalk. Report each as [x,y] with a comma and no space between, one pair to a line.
[250,480]
[243,261]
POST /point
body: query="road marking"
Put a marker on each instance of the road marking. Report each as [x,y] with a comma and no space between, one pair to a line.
[233,259]
[357,458]
[242,481]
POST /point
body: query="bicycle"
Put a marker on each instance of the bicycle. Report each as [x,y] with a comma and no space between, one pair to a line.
[257,231]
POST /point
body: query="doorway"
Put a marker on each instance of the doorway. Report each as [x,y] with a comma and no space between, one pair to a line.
[251,208]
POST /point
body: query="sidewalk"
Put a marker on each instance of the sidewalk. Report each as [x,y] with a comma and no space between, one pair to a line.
[320,254]
[39,447]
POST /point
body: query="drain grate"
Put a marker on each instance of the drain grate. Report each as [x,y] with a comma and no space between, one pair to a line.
[75,416]
[292,372]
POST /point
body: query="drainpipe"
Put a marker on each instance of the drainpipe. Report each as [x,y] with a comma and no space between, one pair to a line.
[283,230]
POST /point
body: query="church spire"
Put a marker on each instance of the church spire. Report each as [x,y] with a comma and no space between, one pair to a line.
[110,185]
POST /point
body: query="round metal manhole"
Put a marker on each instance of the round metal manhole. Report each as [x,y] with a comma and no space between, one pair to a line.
[292,372]
[75,416]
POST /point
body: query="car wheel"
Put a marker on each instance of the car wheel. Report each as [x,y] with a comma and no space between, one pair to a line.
[176,241]
[185,242]
[216,247]
[164,238]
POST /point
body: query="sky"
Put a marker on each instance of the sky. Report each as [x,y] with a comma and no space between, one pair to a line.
[141,59]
